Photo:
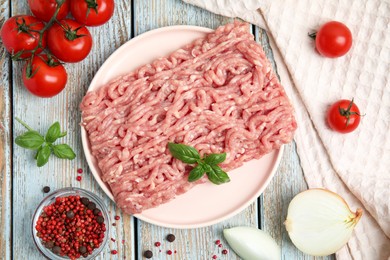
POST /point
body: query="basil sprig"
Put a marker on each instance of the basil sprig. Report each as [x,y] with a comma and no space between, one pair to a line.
[44,146]
[207,164]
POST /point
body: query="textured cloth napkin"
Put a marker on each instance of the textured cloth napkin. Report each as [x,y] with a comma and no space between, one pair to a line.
[354,165]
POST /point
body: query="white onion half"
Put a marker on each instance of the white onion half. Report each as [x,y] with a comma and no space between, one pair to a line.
[252,243]
[319,222]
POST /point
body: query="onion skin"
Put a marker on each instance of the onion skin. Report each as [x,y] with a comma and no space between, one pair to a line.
[319,222]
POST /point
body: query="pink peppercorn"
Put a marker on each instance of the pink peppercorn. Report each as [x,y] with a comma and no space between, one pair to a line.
[78,178]
[215,257]
[169,252]
[114,252]
[157,244]
[224,251]
[117,218]
[218,242]
[80,170]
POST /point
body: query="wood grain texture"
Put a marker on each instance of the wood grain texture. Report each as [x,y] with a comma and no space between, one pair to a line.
[40,114]
[131,236]
[287,182]
[5,147]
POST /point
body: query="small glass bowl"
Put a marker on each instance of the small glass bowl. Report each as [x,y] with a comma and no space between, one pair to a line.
[65,193]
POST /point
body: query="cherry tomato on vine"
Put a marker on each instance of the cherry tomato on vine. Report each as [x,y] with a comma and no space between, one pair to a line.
[333,39]
[344,116]
[70,41]
[45,9]
[44,76]
[20,35]
[92,12]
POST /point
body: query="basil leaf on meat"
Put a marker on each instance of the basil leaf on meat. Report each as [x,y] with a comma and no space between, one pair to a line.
[215,158]
[184,153]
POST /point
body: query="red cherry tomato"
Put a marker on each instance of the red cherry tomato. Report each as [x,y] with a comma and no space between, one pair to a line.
[70,42]
[344,116]
[92,12]
[333,40]
[45,9]
[45,77]
[19,35]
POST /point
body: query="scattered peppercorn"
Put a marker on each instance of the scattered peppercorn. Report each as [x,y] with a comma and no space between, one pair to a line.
[113,240]
[215,257]
[117,218]
[171,237]
[83,249]
[70,214]
[217,242]
[224,251]
[99,219]
[78,178]
[114,224]
[91,205]
[169,252]
[85,201]
[80,170]
[114,252]
[46,189]
[148,254]
[49,244]
[220,245]
[157,244]
[56,250]
[96,212]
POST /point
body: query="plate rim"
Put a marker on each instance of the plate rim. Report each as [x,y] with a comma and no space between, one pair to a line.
[104,186]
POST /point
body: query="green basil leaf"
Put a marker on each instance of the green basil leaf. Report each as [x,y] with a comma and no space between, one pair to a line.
[184,153]
[63,151]
[63,134]
[43,156]
[215,158]
[30,140]
[53,133]
[196,173]
[36,154]
[217,175]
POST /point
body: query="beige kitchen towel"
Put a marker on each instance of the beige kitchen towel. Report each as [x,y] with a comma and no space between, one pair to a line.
[355,165]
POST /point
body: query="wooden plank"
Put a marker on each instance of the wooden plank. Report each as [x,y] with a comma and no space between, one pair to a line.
[40,113]
[5,148]
[288,182]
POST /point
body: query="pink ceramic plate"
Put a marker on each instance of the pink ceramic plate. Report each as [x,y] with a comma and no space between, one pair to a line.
[205,204]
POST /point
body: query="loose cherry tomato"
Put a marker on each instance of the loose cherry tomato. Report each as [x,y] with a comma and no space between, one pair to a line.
[333,40]
[92,12]
[45,9]
[70,41]
[44,76]
[343,116]
[20,35]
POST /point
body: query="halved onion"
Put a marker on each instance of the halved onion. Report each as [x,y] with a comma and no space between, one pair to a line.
[319,222]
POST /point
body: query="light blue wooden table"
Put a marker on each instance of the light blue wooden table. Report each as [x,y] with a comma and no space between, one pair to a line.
[22,182]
